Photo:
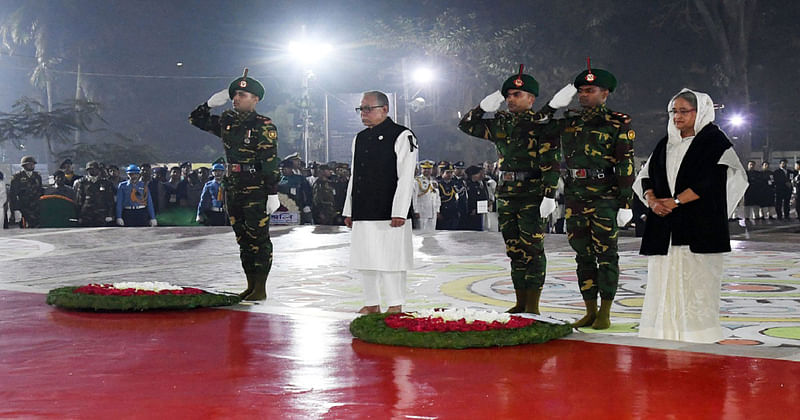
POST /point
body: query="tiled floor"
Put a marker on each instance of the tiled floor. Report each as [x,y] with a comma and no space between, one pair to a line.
[293,355]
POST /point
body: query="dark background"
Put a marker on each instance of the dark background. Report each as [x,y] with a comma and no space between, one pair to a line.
[743,53]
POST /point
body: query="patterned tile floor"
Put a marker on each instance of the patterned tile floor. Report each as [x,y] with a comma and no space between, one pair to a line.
[760,310]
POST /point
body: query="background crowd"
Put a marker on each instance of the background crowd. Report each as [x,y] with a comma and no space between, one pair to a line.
[448,196]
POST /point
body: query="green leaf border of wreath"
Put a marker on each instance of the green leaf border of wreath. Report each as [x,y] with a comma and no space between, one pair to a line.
[64,297]
[372,328]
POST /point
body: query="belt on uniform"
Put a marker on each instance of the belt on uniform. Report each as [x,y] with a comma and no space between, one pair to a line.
[590,173]
[134,207]
[217,209]
[519,175]
[243,167]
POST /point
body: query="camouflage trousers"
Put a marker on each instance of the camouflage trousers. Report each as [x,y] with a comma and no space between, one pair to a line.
[523,233]
[247,211]
[30,215]
[592,233]
[92,217]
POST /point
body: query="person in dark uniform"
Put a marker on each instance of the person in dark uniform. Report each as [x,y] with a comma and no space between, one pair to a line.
[460,182]
[783,189]
[752,209]
[94,198]
[448,218]
[476,194]
[340,189]
[324,197]
[766,192]
[251,183]
[25,190]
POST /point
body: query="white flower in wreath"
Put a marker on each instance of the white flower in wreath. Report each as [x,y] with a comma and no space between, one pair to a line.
[155,286]
[468,315]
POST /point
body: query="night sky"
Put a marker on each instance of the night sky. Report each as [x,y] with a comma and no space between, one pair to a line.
[128,52]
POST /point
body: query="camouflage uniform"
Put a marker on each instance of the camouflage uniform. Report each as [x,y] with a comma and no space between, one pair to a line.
[598,148]
[24,193]
[251,145]
[324,205]
[521,149]
[94,200]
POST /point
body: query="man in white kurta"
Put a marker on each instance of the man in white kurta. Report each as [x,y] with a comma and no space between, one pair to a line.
[378,205]
[426,198]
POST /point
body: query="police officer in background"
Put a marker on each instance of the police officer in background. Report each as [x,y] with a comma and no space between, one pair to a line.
[211,210]
[597,145]
[94,198]
[134,203]
[25,190]
[529,165]
[251,183]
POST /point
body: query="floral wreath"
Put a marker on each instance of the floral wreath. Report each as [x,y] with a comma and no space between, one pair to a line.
[136,296]
[454,329]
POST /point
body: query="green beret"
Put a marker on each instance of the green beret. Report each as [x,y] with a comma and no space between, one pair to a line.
[247,84]
[596,77]
[525,82]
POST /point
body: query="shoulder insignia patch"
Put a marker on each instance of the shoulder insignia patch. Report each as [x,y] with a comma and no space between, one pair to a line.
[272,134]
[631,135]
[619,116]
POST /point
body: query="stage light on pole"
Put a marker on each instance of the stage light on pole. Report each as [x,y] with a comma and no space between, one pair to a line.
[737,120]
[423,75]
[308,51]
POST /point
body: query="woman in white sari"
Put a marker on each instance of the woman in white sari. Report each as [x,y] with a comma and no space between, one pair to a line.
[691,185]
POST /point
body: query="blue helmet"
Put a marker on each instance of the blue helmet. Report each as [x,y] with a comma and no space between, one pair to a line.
[133,169]
[218,167]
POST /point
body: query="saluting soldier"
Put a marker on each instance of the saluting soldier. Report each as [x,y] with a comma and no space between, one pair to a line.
[425,200]
[94,198]
[529,164]
[25,190]
[597,144]
[251,183]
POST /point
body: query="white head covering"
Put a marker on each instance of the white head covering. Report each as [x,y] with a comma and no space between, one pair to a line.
[736,177]
[705,114]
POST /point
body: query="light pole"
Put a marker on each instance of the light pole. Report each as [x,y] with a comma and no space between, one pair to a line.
[307,52]
[421,75]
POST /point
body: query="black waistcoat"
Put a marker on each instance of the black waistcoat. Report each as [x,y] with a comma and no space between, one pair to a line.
[375,171]
[702,224]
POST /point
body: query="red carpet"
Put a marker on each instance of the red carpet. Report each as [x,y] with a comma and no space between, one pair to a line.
[230,364]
